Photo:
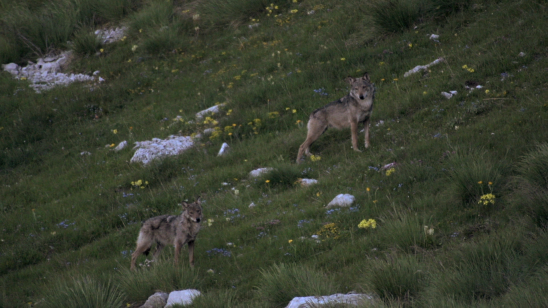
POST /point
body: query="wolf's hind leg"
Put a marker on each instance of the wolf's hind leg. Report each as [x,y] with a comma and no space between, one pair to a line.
[315,130]
[143,245]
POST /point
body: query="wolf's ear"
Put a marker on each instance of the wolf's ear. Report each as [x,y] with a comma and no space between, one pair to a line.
[349,80]
[184,205]
[199,200]
[366,77]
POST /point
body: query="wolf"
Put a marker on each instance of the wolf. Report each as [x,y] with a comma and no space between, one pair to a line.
[169,229]
[354,108]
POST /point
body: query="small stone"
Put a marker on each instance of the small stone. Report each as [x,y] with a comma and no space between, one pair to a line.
[157,300]
[183,297]
[225,148]
[343,200]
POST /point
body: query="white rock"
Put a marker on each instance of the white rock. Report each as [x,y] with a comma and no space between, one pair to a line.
[252,205]
[257,172]
[225,148]
[45,74]
[390,165]
[449,94]
[422,67]
[214,109]
[315,301]
[341,200]
[157,148]
[308,182]
[11,68]
[183,297]
[85,153]
[521,54]
[434,37]
[121,146]
[156,300]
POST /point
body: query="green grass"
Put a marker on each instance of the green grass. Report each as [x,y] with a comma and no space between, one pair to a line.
[436,243]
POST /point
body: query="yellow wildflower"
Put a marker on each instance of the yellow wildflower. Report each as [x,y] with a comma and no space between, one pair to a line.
[390,171]
[368,223]
[486,199]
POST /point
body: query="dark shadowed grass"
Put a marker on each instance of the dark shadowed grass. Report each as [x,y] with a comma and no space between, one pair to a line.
[280,283]
[226,12]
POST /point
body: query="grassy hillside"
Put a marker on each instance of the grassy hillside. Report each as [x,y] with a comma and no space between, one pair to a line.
[460,221]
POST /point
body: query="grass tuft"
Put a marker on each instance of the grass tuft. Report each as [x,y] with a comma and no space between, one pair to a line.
[85,292]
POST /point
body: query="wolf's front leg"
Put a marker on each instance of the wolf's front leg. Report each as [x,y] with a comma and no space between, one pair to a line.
[366,129]
[354,132]
[178,247]
[191,253]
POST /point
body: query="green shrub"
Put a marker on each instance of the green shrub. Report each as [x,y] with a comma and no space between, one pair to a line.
[41,31]
[392,16]
[85,42]
[281,176]
[281,283]
[85,292]
[407,232]
[532,185]
[482,270]
[114,10]
[401,279]
[152,18]
[164,40]
[474,174]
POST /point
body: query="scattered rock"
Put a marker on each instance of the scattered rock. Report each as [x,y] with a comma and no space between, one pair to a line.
[435,37]
[521,54]
[225,148]
[214,109]
[183,297]
[85,153]
[110,35]
[343,200]
[252,205]
[257,172]
[390,165]
[46,73]
[419,68]
[449,94]
[121,146]
[157,300]
[315,301]
[156,148]
[307,182]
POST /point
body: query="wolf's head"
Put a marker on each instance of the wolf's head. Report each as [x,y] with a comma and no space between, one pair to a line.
[361,88]
[193,211]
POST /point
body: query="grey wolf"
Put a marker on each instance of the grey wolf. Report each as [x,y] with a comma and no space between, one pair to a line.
[354,108]
[168,229]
